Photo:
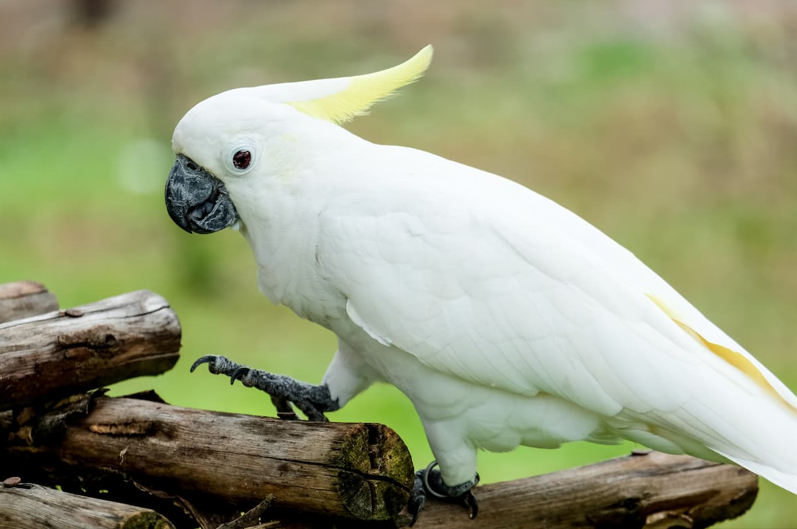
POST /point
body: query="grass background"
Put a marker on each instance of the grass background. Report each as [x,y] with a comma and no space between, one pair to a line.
[672,126]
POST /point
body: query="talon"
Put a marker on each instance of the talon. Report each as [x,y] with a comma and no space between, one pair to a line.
[469,501]
[284,409]
[416,508]
[207,359]
[314,415]
[417,499]
[238,373]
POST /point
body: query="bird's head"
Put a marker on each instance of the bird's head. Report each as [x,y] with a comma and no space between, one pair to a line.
[225,146]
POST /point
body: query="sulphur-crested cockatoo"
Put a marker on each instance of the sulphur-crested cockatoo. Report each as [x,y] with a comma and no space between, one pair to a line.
[505,318]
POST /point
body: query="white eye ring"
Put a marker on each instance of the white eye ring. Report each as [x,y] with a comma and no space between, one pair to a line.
[240,157]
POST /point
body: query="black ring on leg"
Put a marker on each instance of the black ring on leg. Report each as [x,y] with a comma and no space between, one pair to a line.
[425,477]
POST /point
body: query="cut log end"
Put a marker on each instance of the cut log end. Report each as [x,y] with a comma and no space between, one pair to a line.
[20,289]
[24,299]
[376,473]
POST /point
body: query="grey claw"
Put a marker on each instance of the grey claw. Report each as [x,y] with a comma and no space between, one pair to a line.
[313,414]
[469,501]
[207,359]
[238,373]
[284,409]
[417,507]
[417,498]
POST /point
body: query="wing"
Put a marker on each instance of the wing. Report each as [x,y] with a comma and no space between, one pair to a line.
[485,280]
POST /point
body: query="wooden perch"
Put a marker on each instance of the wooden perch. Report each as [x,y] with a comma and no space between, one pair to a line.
[24,299]
[646,490]
[205,468]
[62,353]
[360,471]
[25,506]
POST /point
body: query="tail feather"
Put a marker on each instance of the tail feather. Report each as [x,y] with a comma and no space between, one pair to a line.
[753,429]
[782,479]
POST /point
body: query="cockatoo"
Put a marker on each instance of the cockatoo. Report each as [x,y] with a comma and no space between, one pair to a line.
[505,318]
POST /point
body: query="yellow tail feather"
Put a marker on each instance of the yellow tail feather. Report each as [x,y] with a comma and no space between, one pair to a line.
[732,357]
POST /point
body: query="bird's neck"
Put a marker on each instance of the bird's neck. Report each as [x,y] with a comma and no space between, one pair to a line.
[280,222]
[282,236]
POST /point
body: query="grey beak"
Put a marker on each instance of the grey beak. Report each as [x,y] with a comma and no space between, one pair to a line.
[196,200]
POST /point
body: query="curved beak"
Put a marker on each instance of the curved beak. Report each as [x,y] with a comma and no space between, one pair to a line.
[196,200]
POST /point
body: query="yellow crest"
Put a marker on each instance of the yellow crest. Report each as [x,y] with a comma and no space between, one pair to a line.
[363,91]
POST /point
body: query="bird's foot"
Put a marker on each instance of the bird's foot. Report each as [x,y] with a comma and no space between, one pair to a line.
[429,482]
[312,400]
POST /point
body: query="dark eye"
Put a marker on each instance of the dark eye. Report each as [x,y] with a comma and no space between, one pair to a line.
[242,159]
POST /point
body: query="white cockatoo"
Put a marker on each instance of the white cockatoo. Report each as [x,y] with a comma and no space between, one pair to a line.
[505,318]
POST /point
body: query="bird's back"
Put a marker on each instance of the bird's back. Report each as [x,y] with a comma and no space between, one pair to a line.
[504,288]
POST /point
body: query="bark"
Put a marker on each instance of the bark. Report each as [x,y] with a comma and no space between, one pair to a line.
[360,471]
[27,506]
[25,299]
[645,490]
[62,353]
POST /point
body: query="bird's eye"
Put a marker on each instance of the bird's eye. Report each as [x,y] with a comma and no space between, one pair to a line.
[242,159]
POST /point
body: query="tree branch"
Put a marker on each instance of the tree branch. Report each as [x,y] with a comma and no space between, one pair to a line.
[62,353]
[647,490]
[359,471]
[26,506]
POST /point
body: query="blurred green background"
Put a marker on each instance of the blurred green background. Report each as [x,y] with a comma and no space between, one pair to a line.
[671,125]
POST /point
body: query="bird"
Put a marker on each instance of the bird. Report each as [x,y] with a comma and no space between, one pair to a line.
[505,318]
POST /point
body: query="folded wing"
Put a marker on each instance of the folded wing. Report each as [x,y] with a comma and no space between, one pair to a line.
[485,280]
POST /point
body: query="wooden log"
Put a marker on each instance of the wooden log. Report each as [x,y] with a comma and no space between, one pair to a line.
[62,353]
[27,506]
[360,471]
[24,299]
[646,490]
